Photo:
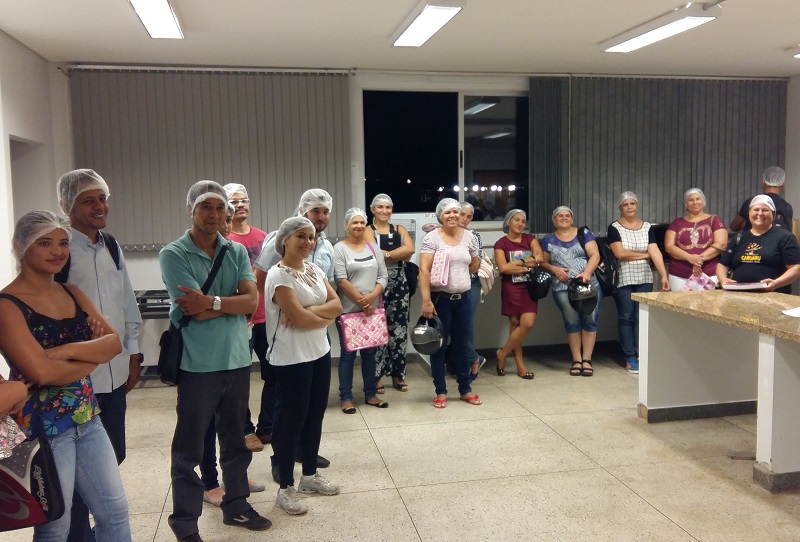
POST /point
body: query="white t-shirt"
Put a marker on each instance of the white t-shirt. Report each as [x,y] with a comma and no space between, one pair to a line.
[296,345]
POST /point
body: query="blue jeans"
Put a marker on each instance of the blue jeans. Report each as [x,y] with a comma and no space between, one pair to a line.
[456,316]
[86,463]
[628,318]
[208,464]
[573,321]
[474,299]
[346,363]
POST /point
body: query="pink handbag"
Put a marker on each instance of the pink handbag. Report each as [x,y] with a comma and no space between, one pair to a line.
[360,331]
[440,268]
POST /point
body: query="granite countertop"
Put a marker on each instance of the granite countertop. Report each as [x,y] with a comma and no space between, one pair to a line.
[760,312]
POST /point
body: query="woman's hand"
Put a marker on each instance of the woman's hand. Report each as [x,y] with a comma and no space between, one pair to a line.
[561,273]
[428,310]
[97,328]
[368,310]
[664,284]
[286,322]
[584,276]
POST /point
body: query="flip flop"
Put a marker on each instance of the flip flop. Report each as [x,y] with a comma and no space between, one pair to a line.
[474,400]
[439,403]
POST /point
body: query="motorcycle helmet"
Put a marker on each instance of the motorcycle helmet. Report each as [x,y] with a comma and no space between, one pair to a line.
[539,283]
[427,335]
[582,297]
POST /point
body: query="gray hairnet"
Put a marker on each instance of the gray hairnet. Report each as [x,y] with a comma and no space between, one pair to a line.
[465,206]
[445,205]
[562,208]
[233,188]
[354,212]
[34,225]
[510,215]
[694,191]
[381,198]
[75,182]
[774,176]
[203,190]
[289,227]
[627,195]
[766,200]
[316,197]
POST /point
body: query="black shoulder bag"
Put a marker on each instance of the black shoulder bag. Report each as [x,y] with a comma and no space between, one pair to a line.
[171,343]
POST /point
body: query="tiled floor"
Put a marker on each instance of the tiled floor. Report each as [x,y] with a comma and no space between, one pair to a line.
[556,458]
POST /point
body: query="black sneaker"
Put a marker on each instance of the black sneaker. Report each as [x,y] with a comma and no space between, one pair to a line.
[322,463]
[250,520]
[194,537]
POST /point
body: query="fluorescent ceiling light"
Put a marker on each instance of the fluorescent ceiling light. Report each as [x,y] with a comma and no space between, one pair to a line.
[158,18]
[476,106]
[796,52]
[676,21]
[427,21]
[494,134]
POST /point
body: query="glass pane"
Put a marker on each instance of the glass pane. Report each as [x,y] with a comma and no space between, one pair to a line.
[495,155]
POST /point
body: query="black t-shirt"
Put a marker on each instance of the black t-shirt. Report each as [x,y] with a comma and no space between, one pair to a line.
[758,257]
[783,213]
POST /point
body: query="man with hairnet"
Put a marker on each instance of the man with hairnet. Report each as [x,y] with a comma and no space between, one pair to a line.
[214,377]
[772,182]
[97,267]
[253,238]
[316,205]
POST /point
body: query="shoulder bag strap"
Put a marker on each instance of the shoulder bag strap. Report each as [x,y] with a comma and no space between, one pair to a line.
[369,246]
[185,319]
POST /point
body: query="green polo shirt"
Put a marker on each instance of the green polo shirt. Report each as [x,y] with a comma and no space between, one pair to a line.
[222,343]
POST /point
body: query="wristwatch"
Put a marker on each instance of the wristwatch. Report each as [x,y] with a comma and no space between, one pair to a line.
[217,303]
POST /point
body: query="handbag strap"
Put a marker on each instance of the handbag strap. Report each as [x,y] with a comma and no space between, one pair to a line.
[185,319]
[369,246]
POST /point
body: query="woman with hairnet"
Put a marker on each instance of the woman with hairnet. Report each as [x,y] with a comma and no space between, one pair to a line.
[300,305]
[361,279]
[515,255]
[53,337]
[445,290]
[694,242]
[633,243]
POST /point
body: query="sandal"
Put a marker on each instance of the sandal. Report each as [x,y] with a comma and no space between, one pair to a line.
[526,376]
[399,385]
[587,371]
[379,404]
[501,371]
[380,388]
[472,399]
[349,410]
[476,368]
[576,368]
[439,402]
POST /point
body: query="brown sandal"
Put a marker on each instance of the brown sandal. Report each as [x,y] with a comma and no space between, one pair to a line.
[576,369]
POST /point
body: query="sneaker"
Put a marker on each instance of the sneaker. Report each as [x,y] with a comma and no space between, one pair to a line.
[290,502]
[194,537]
[322,463]
[253,443]
[256,487]
[317,484]
[250,520]
[633,366]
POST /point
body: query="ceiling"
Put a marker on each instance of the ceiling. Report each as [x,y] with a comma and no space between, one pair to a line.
[489,36]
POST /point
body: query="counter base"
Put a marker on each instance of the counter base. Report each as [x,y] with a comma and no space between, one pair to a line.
[775,482]
[694,412]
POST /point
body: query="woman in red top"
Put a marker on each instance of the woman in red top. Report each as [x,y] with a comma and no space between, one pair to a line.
[515,254]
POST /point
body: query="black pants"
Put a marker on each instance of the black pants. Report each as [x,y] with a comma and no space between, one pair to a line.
[201,396]
[260,344]
[303,396]
[113,406]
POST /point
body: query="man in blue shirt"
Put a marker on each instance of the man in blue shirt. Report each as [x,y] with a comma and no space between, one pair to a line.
[215,366]
[97,267]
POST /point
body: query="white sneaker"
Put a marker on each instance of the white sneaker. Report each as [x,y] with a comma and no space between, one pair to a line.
[290,502]
[317,484]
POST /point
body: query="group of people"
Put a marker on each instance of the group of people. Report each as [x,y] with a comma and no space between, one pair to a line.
[69,326]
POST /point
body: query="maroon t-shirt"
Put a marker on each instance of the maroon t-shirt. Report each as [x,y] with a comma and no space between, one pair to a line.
[694,238]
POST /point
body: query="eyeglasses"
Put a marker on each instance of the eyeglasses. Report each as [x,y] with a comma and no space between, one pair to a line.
[238,201]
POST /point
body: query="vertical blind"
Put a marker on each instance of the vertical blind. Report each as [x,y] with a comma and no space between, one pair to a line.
[152,134]
[660,137]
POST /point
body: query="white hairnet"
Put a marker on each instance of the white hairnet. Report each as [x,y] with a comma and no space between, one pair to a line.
[316,197]
[627,195]
[510,215]
[465,206]
[354,212]
[74,183]
[774,176]
[233,188]
[203,190]
[694,191]
[766,200]
[381,198]
[34,225]
[290,226]
[562,208]
[445,205]
[231,209]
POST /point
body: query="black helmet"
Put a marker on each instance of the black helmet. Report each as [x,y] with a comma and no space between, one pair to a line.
[582,297]
[539,283]
[427,335]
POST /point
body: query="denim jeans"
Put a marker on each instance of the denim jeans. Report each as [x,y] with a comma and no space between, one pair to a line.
[628,318]
[456,316]
[474,299]
[260,344]
[86,463]
[302,398]
[208,463]
[346,363]
[573,321]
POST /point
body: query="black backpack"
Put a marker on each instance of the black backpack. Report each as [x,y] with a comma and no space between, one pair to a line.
[607,271]
[113,248]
